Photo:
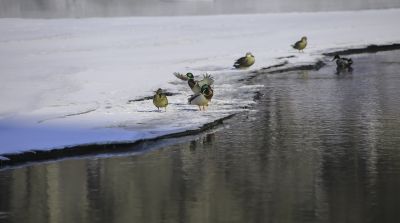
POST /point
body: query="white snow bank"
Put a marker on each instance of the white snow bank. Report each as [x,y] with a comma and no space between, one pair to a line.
[66,82]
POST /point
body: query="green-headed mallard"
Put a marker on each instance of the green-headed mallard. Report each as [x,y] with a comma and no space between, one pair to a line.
[160,100]
[202,99]
[342,62]
[245,61]
[194,85]
[300,45]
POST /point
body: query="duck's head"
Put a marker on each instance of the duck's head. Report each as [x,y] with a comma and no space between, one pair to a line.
[205,89]
[190,75]
[248,54]
[304,38]
[159,91]
[336,57]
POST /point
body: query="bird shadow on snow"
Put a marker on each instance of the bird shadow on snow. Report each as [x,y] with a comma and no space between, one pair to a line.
[156,111]
[286,57]
[163,111]
[188,109]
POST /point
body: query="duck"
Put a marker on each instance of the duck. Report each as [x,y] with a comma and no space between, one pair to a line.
[203,98]
[207,91]
[160,100]
[245,61]
[194,85]
[342,62]
[300,45]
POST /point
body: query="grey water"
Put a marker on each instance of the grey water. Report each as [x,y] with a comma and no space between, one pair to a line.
[317,147]
[109,8]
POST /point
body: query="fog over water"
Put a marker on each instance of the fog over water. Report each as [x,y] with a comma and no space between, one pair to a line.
[109,8]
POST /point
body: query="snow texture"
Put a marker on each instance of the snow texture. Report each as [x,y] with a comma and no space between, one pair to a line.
[66,82]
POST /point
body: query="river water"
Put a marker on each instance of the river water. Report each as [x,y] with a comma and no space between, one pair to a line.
[318,147]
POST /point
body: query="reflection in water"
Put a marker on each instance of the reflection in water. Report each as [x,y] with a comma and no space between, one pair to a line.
[344,70]
[320,148]
[104,8]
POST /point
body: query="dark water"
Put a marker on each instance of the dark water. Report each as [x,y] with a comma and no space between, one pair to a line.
[105,8]
[321,147]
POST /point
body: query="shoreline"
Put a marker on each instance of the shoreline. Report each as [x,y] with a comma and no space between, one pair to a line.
[35,156]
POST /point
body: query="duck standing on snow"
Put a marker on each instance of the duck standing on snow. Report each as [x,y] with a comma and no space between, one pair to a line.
[342,62]
[160,100]
[196,86]
[300,45]
[201,99]
[245,61]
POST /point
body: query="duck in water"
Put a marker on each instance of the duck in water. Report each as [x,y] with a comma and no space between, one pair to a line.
[343,64]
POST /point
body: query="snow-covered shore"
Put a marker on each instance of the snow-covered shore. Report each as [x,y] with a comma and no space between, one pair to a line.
[67,82]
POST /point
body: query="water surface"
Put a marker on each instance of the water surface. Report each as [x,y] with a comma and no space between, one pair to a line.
[319,147]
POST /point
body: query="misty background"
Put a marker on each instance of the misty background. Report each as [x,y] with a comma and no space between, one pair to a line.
[114,8]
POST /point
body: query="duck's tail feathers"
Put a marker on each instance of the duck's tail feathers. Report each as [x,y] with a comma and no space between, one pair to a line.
[181,76]
[238,63]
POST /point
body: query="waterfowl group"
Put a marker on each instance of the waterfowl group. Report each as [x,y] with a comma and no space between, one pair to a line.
[194,85]
[300,45]
[202,89]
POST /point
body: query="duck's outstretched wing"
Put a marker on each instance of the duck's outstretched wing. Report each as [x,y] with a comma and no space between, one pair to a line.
[207,79]
[239,62]
[181,76]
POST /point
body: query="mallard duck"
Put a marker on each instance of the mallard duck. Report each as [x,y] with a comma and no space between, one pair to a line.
[342,62]
[202,99]
[207,91]
[300,45]
[160,100]
[195,86]
[245,61]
